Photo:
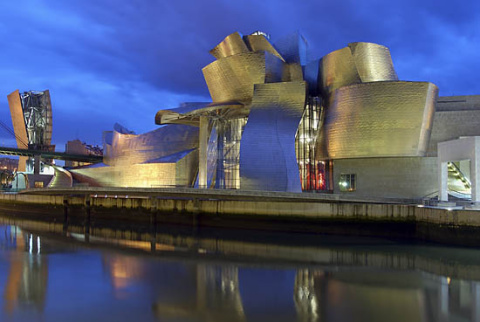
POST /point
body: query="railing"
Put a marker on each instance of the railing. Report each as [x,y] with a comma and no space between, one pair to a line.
[453,167]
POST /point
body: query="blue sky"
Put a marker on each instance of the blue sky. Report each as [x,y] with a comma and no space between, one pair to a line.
[107,61]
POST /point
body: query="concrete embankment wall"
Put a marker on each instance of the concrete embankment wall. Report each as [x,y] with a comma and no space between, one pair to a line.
[458,227]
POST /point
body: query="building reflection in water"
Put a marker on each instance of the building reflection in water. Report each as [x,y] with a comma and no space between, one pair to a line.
[218,293]
[27,279]
[308,291]
[212,292]
[184,290]
[194,288]
[366,296]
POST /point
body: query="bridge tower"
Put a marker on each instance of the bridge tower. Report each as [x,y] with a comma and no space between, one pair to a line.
[32,123]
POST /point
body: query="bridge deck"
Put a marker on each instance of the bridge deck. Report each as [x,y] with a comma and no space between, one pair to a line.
[51,155]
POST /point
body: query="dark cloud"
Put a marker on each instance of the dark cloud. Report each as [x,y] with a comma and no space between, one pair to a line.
[107,61]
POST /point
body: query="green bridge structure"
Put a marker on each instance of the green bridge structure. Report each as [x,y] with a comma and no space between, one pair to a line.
[50,155]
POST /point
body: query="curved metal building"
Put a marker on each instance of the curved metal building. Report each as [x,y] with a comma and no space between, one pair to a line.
[232,78]
[267,155]
[360,62]
[379,119]
[282,123]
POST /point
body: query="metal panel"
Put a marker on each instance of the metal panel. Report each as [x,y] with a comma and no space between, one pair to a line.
[134,175]
[179,172]
[357,63]
[292,72]
[337,69]
[48,117]
[19,128]
[133,149]
[373,62]
[267,151]
[260,43]
[379,119]
[232,78]
[293,48]
[312,77]
[232,44]
[18,121]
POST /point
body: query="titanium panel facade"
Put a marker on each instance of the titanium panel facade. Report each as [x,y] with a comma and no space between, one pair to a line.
[379,119]
[232,45]
[259,43]
[373,62]
[18,121]
[178,170]
[360,62]
[278,123]
[267,152]
[128,149]
[293,48]
[232,78]
[337,69]
[312,77]
[293,73]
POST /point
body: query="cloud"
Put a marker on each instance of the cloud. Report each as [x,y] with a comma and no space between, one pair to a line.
[105,62]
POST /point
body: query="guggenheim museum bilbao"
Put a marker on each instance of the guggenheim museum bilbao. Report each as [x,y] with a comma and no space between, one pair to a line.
[344,124]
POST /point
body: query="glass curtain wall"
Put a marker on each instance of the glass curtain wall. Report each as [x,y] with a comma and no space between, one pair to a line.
[229,134]
[312,172]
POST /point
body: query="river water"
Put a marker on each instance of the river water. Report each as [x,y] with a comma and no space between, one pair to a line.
[50,272]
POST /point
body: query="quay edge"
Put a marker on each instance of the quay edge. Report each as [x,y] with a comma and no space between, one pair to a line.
[283,212]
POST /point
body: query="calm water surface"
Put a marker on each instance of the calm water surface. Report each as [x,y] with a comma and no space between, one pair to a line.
[53,273]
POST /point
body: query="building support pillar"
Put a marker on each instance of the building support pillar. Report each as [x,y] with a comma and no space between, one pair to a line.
[202,152]
[475,177]
[36,164]
[442,181]
[220,175]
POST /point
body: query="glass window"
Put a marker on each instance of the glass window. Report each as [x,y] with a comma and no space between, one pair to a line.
[348,182]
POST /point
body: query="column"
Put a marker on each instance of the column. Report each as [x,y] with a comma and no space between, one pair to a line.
[442,181]
[475,177]
[36,164]
[202,152]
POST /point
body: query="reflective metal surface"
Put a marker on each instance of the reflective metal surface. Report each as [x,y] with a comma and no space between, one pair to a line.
[164,141]
[293,48]
[232,78]
[232,44]
[19,128]
[260,43]
[267,153]
[337,69]
[373,62]
[164,157]
[18,121]
[379,119]
[251,137]
[357,63]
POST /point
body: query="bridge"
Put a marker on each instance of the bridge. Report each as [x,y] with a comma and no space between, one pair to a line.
[42,154]
[51,155]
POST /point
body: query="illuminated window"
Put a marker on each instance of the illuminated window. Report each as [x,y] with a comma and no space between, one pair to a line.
[38,184]
[348,182]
